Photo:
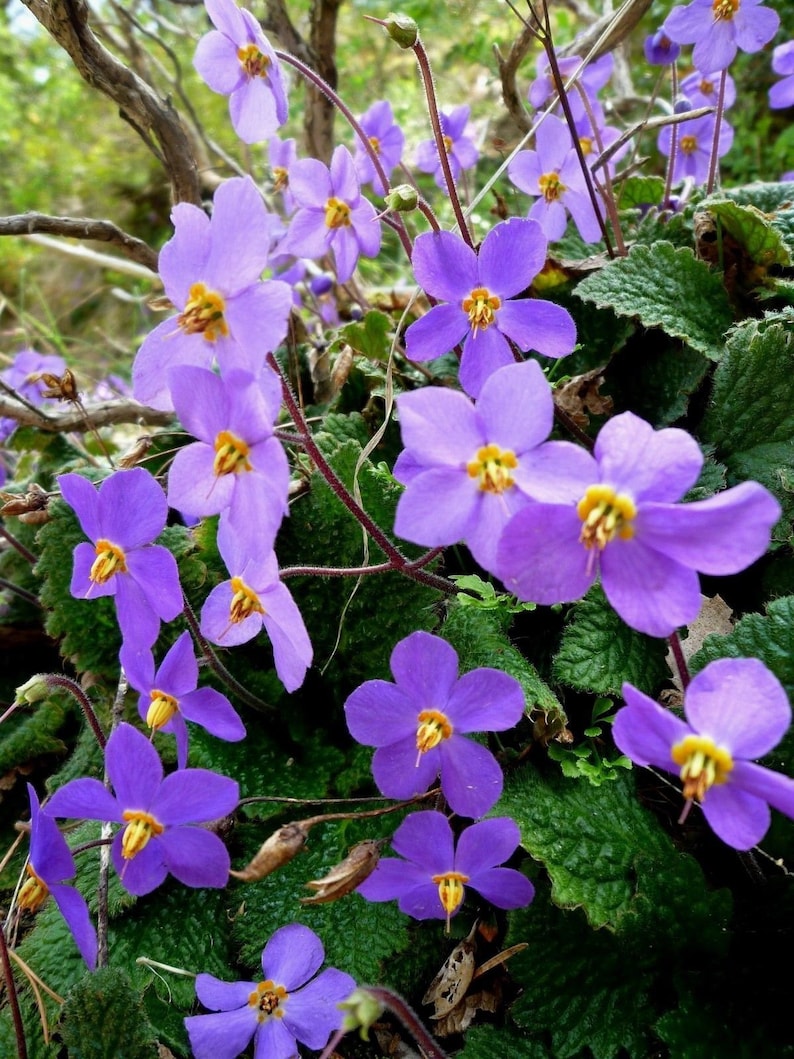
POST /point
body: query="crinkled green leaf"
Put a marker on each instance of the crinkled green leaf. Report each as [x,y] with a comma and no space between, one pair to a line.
[775,201]
[667,288]
[640,191]
[750,228]
[497,1042]
[33,732]
[371,337]
[104,1018]
[599,651]
[655,377]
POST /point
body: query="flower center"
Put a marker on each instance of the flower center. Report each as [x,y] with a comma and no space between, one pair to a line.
[253,61]
[267,998]
[688,144]
[606,515]
[447,144]
[280,178]
[203,314]
[140,828]
[245,602]
[110,560]
[451,891]
[706,87]
[703,764]
[551,187]
[492,466]
[482,307]
[375,143]
[34,891]
[586,143]
[724,9]
[231,454]
[337,214]
[433,728]
[161,709]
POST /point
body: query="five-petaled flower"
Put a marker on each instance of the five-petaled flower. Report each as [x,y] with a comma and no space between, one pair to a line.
[482,309]
[289,1005]
[156,813]
[460,149]
[387,140]
[431,882]
[236,60]
[121,519]
[618,514]
[736,710]
[719,28]
[419,724]
[51,862]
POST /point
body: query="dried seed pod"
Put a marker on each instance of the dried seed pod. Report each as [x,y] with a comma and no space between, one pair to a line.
[34,502]
[344,877]
[449,986]
[277,850]
[134,455]
[63,388]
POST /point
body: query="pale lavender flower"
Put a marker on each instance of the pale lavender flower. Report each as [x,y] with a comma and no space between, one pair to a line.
[617,514]
[387,139]
[736,710]
[782,94]
[49,864]
[282,155]
[156,812]
[461,152]
[483,311]
[431,882]
[694,146]
[332,214]
[703,90]
[24,376]
[288,1006]
[719,28]
[236,60]
[211,271]
[589,82]
[121,520]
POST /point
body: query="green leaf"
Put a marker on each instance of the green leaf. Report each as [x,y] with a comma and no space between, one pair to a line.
[640,191]
[775,201]
[599,651]
[104,1018]
[496,1042]
[371,337]
[667,288]
[751,229]
[33,733]
[655,377]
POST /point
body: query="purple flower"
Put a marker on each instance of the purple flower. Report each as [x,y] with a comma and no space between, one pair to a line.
[694,146]
[210,270]
[589,82]
[660,50]
[170,696]
[703,90]
[420,722]
[282,155]
[718,28]
[121,519]
[51,862]
[461,152]
[288,1006]
[469,468]
[782,94]
[483,311]
[156,812]
[553,172]
[736,710]
[431,882]
[387,139]
[332,214]
[239,62]
[236,610]
[617,514]
[236,468]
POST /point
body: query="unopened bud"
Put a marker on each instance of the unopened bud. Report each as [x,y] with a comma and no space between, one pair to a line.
[402,199]
[34,690]
[361,1009]
[402,29]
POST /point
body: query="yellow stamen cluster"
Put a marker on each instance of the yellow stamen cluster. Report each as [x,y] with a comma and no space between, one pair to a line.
[161,709]
[140,828]
[724,10]
[551,187]
[606,515]
[245,602]
[34,891]
[203,314]
[586,143]
[337,214]
[375,143]
[447,140]
[688,144]
[493,466]
[451,891]
[267,998]
[433,728]
[231,454]
[481,307]
[280,178]
[706,87]
[253,61]
[110,560]
[703,764]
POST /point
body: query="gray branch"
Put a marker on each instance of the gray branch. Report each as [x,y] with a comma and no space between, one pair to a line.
[108,413]
[80,228]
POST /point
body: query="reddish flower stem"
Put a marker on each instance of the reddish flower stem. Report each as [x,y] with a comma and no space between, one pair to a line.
[20,547]
[57,680]
[668,177]
[357,571]
[408,1017]
[714,162]
[13,999]
[680,661]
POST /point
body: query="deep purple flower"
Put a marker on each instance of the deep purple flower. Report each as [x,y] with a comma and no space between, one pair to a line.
[236,610]
[718,28]
[170,696]
[431,882]
[288,1006]
[736,710]
[121,520]
[694,144]
[782,94]
[589,83]
[332,214]
[50,862]
[419,724]
[236,468]
[461,152]
[703,90]
[156,813]
[210,270]
[660,50]
[236,60]
[553,172]
[483,311]
[469,468]
[618,514]
[388,140]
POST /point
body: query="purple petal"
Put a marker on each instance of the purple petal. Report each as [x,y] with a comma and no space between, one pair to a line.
[292,648]
[138,666]
[486,844]
[194,796]
[193,485]
[292,955]
[240,233]
[83,499]
[379,713]
[516,407]
[216,622]
[540,325]
[436,333]
[511,255]
[646,732]
[166,348]
[221,1036]
[213,711]
[139,624]
[426,669]
[258,318]
[392,878]
[134,768]
[487,523]
[84,799]
[195,857]
[223,996]
[524,171]
[178,672]
[145,871]
[504,887]
[155,572]
[423,902]
[650,592]
[540,557]
[438,507]
[217,64]
[132,508]
[772,787]
[273,1040]
[345,247]
[556,472]
[483,354]
[471,778]
[445,266]
[228,18]
[49,854]
[72,906]
[312,1013]
[401,771]
[443,426]
[658,465]
[426,839]
[252,110]
[485,700]
[736,816]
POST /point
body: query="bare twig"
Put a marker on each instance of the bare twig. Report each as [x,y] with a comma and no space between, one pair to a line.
[507,74]
[108,413]
[80,228]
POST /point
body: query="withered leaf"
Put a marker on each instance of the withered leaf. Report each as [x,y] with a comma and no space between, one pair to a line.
[344,877]
[580,396]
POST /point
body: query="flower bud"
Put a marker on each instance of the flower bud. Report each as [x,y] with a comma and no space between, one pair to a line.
[361,1010]
[402,29]
[34,690]
[402,199]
